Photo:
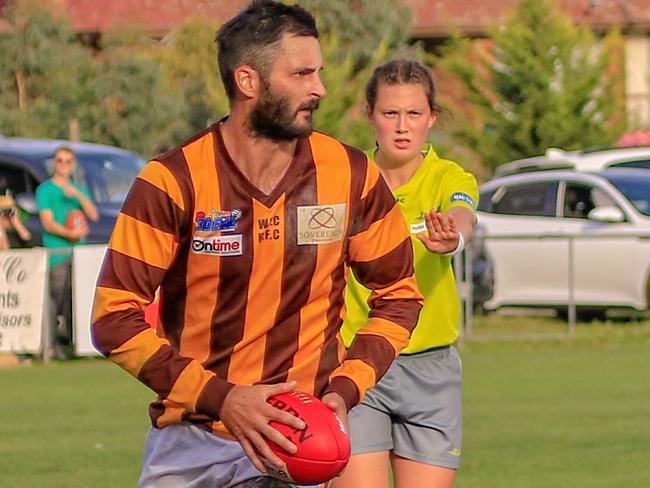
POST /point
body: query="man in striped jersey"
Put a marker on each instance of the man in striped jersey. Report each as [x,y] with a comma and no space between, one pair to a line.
[248,229]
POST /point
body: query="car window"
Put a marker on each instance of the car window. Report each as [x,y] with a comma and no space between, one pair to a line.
[635,187]
[535,199]
[108,177]
[16,180]
[640,163]
[580,199]
[485,201]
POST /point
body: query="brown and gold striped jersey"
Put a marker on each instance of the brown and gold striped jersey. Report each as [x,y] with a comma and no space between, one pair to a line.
[251,285]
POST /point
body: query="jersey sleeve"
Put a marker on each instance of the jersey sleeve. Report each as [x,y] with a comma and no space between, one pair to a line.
[381,257]
[142,247]
[459,189]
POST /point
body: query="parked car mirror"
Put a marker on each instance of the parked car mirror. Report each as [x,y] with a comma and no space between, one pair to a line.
[606,213]
[27,202]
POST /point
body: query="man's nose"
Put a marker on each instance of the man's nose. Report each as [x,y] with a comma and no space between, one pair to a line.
[319,89]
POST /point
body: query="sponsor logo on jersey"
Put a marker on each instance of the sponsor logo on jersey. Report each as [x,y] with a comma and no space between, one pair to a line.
[320,224]
[462,197]
[269,228]
[230,245]
[418,227]
[223,220]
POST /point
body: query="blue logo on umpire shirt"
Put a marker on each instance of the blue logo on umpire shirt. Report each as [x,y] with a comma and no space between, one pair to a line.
[224,220]
[463,197]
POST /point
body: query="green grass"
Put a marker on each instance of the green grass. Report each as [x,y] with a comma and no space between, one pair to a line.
[555,412]
[71,425]
[566,411]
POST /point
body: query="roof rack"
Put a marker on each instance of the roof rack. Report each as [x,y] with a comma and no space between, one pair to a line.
[554,158]
[529,168]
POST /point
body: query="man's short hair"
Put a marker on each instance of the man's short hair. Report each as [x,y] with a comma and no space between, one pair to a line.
[67,149]
[251,37]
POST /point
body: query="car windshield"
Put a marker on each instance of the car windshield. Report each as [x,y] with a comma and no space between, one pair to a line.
[635,185]
[108,176]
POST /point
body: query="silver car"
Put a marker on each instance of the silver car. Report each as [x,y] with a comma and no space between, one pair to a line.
[564,236]
[596,159]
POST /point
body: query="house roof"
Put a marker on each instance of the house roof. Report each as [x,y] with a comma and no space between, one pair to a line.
[432,18]
[473,17]
[149,15]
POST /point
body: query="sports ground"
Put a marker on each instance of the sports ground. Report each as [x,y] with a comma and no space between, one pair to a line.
[547,412]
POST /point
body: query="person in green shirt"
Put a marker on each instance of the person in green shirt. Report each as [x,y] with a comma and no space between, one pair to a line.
[412,420]
[57,200]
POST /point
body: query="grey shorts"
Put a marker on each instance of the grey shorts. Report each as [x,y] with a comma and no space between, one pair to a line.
[415,410]
[183,455]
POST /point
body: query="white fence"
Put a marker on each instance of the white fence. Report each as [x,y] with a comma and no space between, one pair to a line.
[614,266]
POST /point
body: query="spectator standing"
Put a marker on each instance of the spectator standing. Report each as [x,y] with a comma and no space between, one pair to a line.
[57,199]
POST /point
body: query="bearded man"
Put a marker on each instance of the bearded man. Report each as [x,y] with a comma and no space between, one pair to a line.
[248,229]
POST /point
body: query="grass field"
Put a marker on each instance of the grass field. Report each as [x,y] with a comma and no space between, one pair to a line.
[555,412]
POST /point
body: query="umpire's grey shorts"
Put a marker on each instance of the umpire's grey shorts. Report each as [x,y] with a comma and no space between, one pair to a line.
[182,455]
[415,410]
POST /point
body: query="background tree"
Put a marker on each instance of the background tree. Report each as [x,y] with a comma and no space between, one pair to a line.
[362,25]
[146,95]
[188,58]
[43,73]
[48,79]
[132,104]
[356,36]
[541,82]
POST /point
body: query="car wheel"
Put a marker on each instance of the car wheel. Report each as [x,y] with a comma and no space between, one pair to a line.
[583,314]
[592,315]
[479,309]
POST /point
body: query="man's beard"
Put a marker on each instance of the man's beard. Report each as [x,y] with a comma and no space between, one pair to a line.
[273,118]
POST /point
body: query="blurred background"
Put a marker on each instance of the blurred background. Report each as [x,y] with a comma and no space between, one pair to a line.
[516,77]
[547,103]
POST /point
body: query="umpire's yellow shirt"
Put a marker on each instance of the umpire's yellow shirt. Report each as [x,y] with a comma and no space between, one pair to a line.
[437,184]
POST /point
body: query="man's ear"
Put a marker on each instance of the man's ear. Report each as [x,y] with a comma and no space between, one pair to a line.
[247,81]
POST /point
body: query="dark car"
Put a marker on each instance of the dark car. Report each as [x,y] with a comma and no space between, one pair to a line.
[482,270]
[106,171]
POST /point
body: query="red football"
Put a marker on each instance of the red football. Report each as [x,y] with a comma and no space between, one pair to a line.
[323,446]
[75,219]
